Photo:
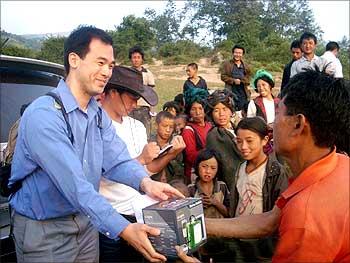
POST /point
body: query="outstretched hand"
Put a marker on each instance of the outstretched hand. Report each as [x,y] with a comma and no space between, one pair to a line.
[158,190]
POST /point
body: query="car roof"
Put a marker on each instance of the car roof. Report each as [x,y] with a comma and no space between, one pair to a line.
[31,64]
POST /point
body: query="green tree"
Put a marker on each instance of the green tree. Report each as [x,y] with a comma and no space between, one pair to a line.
[132,31]
[52,49]
[17,51]
[166,26]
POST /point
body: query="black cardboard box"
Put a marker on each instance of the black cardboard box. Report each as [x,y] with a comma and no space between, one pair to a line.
[180,221]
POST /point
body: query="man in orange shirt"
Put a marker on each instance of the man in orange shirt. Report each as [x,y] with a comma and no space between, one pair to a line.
[312,122]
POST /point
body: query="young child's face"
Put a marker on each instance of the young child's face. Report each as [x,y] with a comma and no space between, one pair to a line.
[172,111]
[180,124]
[264,88]
[166,128]
[207,169]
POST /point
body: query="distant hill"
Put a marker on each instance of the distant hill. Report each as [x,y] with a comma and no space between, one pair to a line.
[31,41]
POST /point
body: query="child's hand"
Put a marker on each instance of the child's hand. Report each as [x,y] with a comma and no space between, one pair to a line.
[206,200]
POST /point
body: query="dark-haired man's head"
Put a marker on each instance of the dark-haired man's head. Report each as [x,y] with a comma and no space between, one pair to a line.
[308,43]
[192,70]
[295,49]
[333,47]
[78,42]
[237,52]
[315,111]
[136,56]
[165,123]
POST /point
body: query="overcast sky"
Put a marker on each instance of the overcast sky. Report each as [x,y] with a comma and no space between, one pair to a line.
[38,17]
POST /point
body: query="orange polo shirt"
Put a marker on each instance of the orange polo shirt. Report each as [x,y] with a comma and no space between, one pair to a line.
[314,223]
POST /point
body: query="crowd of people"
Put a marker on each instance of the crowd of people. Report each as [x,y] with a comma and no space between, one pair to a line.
[258,164]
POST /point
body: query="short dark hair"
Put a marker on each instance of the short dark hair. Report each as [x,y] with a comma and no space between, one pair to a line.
[193,65]
[324,101]
[179,98]
[171,104]
[295,44]
[207,154]
[255,124]
[332,45]
[239,47]
[308,35]
[164,115]
[79,41]
[136,49]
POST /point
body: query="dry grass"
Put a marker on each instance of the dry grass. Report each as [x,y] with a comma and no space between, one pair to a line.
[170,79]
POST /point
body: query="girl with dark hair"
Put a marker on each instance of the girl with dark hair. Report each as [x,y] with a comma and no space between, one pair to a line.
[222,137]
[214,193]
[195,132]
[215,197]
[258,182]
[265,104]
[194,81]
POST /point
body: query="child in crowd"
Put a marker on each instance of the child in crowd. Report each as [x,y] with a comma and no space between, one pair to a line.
[215,198]
[214,193]
[259,181]
[165,127]
[172,107]
[180,123]
[179,99]
[194,81]
[265,104]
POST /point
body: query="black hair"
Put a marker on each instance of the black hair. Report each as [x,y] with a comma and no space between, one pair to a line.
[224,96]
[239,47]
[193,65]
[255,124]
[324,101]
[264,78]
[204,155]
[171,104]
[179,98]
[332,45]
[295,44]
[79,41]
[307,35]
[164,115]
[136,49]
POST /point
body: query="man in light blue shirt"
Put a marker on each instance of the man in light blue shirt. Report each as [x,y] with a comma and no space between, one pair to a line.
[58,208]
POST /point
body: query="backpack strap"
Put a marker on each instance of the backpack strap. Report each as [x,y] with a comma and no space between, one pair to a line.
[61,107]
[199,144]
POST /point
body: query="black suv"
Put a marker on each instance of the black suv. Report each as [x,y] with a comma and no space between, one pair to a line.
[21,81]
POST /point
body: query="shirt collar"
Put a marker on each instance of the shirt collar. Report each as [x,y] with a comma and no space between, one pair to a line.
[303,58]
[69,101]
[312,174]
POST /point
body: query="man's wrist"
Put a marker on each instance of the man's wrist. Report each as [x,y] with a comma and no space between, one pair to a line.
[144,182]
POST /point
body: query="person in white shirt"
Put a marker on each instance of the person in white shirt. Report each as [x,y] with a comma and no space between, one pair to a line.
[144,111]
[309,60]
[332,63]
[265,104]
[119,98]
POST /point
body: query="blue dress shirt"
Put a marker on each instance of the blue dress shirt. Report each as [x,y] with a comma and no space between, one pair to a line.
[63,179]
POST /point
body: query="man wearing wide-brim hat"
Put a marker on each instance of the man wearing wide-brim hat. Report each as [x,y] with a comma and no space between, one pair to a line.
[119,98]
